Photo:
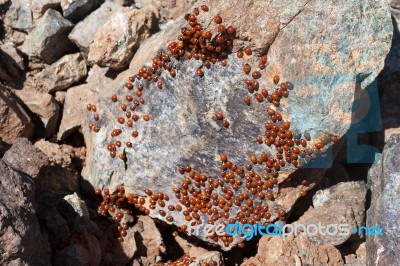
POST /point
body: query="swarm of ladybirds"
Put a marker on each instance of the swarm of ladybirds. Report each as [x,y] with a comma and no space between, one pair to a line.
[237,193]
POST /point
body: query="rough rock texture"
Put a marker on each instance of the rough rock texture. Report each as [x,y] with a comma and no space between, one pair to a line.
[13,53]
[337,214]
[59,154]
[49,41]
[77,98]
[149,242]
[59,178]
[76,10]
[11,62]
[32,160]
[74,211]
[19,16]
[294,251]
[120,36]
[14,121]
[169,9]
[390,79]
[384,182]
[142,245]
[351,194]
[62,74]
[201,254]
[45,107]
[84,32]
[39,7]
[22,242]
[324,62]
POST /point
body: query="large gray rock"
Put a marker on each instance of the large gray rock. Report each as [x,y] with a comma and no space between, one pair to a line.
[49,41]
[22,242]
[384,181]
[322,58]
[117,40]
[14,121]
[62,74]
[83,33]
[45,107]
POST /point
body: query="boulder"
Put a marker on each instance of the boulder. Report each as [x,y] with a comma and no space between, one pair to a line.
[117,40]
[11,62]
[19,16]
[32,161]
[22,242]
[78,97]
[149,241]
[48,41]
[294,251]
[62,74]
[84,32]
[59,178]
[45,107]
[351,194]
[14,121]
[76,10]
[323,59]
[384,182]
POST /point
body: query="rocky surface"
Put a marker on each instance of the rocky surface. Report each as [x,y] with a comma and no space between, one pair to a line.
[383,179]
[32,161]
[351,194]
[120,36]
[21,239]
[62,74]
[57,56]
[182,129]
[49,41]
[45,107]
[76,99]
[59,178]
[84,32]
[11,62]
[76,10]
[15,122]
[294,251]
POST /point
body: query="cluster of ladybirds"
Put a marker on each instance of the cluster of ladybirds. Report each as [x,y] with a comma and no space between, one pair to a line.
[238,193]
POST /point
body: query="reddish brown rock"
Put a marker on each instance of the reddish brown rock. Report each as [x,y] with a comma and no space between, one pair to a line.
[14,121]
[32,161]
[294,251]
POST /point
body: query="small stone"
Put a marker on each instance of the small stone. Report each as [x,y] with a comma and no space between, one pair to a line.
[74,211]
